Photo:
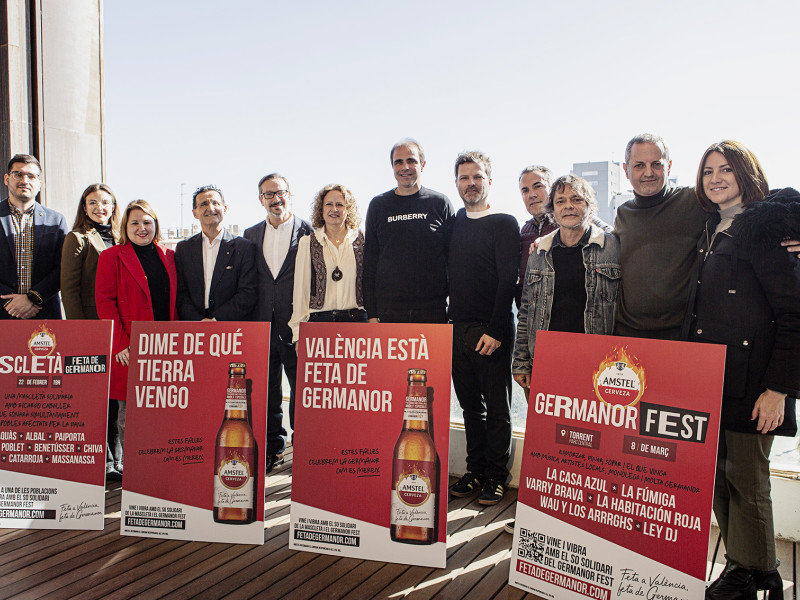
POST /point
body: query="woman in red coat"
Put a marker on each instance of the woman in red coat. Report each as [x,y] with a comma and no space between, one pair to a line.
[136,281]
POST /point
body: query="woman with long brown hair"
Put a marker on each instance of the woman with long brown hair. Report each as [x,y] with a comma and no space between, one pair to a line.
[747,297]
[96,228]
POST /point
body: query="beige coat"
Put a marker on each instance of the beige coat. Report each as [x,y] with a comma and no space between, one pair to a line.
[78,271]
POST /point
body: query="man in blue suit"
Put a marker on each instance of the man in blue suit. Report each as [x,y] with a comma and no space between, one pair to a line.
[31,237]
[216,270]
[276,240]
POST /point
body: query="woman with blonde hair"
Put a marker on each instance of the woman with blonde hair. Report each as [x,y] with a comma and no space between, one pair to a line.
[328,269]
[136,281]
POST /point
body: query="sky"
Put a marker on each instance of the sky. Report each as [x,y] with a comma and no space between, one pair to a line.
[200,92]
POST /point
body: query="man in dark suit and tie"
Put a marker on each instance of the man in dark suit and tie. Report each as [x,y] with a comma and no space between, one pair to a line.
[276,240]
[31,237]
[216,270]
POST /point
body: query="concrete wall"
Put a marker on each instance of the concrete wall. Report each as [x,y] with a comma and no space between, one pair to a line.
[72,92]
[53,104]
[17,90]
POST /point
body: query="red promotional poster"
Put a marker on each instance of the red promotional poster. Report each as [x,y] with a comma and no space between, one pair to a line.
[618,468]
[371,441]
[195,431]
[54,380]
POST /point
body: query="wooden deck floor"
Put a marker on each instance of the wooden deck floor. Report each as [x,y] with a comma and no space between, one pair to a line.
[36,563]
[104,564]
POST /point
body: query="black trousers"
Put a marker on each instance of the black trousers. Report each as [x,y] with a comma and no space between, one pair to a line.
[114,435]
[413,315]
[483,386]
[353,315]
[282,356]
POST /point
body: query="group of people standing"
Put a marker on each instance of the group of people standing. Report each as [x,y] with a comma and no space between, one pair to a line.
[704,264]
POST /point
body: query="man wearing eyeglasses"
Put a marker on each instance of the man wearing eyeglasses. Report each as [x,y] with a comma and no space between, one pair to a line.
[216,270]
[276,240]
[31,237]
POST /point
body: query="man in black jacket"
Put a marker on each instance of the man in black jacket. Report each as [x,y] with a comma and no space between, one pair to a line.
[216,270]
[276,240]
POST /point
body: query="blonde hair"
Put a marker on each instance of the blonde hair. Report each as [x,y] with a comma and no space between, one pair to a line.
[353,219]
[144,206]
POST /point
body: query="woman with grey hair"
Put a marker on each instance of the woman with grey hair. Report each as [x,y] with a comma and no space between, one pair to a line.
[572,278]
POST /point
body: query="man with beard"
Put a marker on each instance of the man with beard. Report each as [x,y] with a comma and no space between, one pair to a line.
[31,237]
[216,270]
[276,240]
[482,267]
[405,257]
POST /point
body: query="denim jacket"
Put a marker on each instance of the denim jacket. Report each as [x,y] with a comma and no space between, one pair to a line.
[601,259]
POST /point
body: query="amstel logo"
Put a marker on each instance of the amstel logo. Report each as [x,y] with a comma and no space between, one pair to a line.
[234,473]
[619,379]
[413,489]
[42,342]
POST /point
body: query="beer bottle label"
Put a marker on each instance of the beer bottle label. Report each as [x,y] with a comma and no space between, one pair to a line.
[233,484]
[413,497]
[236,396]
[416,408]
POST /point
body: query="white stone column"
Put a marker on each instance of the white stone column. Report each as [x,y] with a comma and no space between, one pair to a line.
[52,106]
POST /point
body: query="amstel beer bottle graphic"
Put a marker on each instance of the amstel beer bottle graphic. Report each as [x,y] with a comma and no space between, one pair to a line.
[415,486]
[234,464]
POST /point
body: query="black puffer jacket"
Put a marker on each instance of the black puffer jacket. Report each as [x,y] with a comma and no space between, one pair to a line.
[747,297]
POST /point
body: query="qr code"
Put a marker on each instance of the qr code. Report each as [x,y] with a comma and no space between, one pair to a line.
[531,545]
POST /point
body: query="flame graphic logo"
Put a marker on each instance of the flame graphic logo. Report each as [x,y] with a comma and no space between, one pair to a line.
[42,341]
[619,379]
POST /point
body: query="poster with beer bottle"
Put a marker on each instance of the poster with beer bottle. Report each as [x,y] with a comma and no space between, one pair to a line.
[375,400]
[414,462]
[196,421]
[54,378]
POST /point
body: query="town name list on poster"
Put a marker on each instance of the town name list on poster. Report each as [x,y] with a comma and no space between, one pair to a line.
[54,379]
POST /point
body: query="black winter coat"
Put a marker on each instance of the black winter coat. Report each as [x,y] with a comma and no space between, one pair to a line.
[747,297]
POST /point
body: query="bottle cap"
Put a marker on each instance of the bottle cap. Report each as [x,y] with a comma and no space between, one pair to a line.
[417,375]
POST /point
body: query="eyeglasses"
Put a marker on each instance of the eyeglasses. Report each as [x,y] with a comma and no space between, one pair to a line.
[102,203]
[282,194]
[19,176]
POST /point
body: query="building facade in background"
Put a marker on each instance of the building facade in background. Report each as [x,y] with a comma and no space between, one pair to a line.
[604,177]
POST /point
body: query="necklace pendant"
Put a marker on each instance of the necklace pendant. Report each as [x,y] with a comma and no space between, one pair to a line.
[337,274]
